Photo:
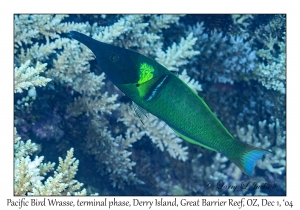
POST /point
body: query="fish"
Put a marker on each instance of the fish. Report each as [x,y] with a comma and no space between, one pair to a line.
[155,89]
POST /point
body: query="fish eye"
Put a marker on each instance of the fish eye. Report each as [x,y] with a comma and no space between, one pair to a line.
[114,57]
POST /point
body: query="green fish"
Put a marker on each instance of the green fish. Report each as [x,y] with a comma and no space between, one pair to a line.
[155,89]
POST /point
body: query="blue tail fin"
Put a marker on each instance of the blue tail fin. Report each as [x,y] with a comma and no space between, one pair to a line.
[248,158]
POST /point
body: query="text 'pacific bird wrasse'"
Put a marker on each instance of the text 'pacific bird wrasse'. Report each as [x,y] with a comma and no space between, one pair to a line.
[155,89]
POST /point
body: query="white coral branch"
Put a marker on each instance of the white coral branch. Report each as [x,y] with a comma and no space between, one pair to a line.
[177,55]
[26,76]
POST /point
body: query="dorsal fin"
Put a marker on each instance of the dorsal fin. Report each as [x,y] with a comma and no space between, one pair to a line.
[150,88]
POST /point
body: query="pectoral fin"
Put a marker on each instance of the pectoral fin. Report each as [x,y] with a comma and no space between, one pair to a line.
[140,112]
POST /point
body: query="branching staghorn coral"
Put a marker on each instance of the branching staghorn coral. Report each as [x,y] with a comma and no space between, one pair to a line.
[30,173]
[241,20]
[272,75]
[130,32]
[159,22]
[177,55]
[223,58]
[27,27]
[26,76]
[112,152]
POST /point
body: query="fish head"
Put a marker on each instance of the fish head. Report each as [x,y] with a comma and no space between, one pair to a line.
[120,65]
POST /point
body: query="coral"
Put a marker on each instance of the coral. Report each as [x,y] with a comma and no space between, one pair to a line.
[192,83]
[241,19]
[26,76]
[159,22]
[91,101]
[177,55]
[272,75]
[30,173]
[27,27]
[239,72]
[132,26]
[112,152]
[223,58]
